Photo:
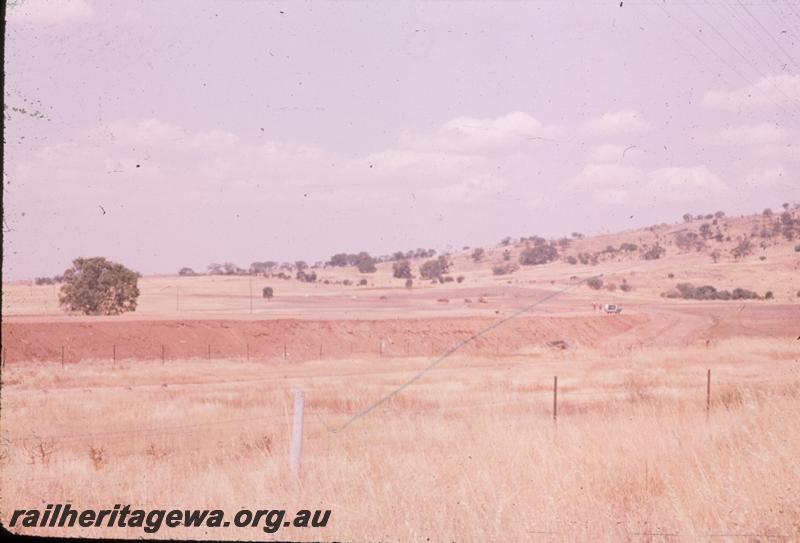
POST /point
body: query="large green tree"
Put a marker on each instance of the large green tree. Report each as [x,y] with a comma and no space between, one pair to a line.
[96,286]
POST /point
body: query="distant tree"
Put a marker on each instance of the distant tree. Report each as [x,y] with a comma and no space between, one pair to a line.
[339,260]
[186,272]
[267,293]
[306,277]
[742,249]
[301,265]
[435,268]
[654,253]
[96,286]
[687,217]
[401,269]
[409,283]
[719,214]
[365,263]
[540,254]
[767,212]
[362,282]
[478,254]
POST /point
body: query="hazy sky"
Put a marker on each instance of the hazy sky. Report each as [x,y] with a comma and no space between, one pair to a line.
[169,134]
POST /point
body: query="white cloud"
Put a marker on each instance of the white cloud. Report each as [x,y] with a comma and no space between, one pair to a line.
[617,175]
[613,124]
[472,189]
[506,133]
[762,133]
[680,184]
[766,178]
[50,11]
[772,90]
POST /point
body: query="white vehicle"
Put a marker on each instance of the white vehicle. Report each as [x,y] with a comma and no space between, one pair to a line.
[612,308]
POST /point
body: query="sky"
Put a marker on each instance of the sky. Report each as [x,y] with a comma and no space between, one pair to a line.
[170,134]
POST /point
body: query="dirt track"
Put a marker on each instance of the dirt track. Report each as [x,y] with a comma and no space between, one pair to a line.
[266,338]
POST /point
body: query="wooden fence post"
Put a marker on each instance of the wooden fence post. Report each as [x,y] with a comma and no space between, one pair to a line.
[248,351]
[209,352]
[380,347]
[555,399]
[163,354]
[320,351]
[297,434]
[5,355]
[114,356]
[284,351]
[62,357]
[708,393]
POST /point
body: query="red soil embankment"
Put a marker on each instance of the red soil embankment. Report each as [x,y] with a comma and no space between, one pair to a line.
[85,340]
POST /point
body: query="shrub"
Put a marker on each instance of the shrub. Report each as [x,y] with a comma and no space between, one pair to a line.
[409,283]
[595,282]
[186,272]
[402,269]
[447,279]
[347,282]
[96,286]
[572,260]
[362,282]
[797,248]
[478,254]
[767,212]
[625,287]
[267,293]
[507,254]
[768,295]
[628,247]
[540,254]
[460,279]
[504,268]
[743,294]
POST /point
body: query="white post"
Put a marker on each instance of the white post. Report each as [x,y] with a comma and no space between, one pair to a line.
[297,434]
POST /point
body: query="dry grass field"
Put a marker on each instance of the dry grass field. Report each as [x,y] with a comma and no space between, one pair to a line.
[470,450]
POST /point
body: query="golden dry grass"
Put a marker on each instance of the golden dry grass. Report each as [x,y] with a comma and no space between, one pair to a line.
[467,453]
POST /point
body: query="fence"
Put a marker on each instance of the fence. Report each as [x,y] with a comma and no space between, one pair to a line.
[265,351]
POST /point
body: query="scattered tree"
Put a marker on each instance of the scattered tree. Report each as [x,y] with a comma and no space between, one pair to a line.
[267,293]
[96,286]
[402,269]
[540,254]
